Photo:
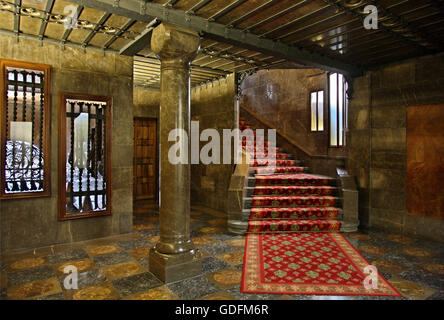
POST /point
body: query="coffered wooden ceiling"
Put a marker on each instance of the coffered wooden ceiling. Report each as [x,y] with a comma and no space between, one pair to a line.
[238,35]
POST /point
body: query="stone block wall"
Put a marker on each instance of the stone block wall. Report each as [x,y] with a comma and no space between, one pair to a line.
[28,223]
[377,148]
[146,103]
[213,105]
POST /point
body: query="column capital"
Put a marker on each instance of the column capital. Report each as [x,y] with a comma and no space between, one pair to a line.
[171,42]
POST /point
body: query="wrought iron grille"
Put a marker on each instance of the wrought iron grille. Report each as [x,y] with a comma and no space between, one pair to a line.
[24,121]
[86,177]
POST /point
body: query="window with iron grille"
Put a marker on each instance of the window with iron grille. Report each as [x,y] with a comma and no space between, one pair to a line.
[84,156]
[25,119]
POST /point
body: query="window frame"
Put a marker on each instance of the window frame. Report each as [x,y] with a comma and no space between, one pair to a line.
[62,214]
[345,103]
[46,130]
[317,111]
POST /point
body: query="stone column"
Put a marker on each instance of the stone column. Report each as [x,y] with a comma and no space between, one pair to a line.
[174,257]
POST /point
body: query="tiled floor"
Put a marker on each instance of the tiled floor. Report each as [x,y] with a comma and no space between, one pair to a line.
[117,267]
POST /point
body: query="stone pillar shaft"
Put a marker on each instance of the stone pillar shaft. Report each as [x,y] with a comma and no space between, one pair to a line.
[174,257]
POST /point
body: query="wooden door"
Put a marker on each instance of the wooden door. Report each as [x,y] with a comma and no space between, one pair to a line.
[145,146]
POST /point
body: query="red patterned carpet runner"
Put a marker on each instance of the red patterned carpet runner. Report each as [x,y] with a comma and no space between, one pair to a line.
[306,264]
[293,245]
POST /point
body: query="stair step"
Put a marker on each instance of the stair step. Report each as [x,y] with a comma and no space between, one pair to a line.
[299,213]
[259,142]
[278,156]
[300,179]
[292,190]
[288,201]
[261,150]
[276,170]
[277,163]
[293,226]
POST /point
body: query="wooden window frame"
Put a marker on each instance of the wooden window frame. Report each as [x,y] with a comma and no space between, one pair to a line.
[63,96]
[317,114]
[344,112]
[46,132]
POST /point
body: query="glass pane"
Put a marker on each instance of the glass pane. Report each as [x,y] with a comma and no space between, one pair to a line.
[85,155]
[341,109]
[321,111]
[333,109]
[313,111]
[24,121]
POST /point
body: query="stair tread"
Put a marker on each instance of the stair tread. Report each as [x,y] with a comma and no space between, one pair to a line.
[295,176]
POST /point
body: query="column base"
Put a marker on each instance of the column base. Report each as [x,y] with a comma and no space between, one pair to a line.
[175,267]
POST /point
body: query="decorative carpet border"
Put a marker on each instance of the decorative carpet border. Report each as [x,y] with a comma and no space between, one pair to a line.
[253,264]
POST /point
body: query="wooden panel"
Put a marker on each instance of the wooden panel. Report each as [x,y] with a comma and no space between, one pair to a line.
[145,168]
[425,161]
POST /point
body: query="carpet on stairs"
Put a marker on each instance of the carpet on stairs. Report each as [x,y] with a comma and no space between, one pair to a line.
[293,244]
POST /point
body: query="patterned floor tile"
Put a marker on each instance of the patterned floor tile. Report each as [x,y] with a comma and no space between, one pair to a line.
[159,293]
[222,295]
[226,278]
[193,288]
[75,254]
[424,278]
[358,236]
[211,264]
[217,248]
[148,233]
[237,243]
[136,284]
[204,240]
[86,279]
[58,296]
[373,250]
[103,291]
[122,270]
[140,253]
[111,258]
[412,290]
[416,252]
[389,267]
[399,238]
[145,262]
[134,244]
[34,289]
[433,267]
[29,275]
[235,292]
[211,230]
[102,249]
[27,263]
[234,258]
[81,265]
[401,259]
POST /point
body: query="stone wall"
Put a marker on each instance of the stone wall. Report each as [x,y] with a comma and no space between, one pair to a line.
[213,105]
[377,148]
[146,103]
[282,98]
[27,223]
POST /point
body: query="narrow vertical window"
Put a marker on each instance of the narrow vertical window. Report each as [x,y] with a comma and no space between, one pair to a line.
[25,118]
[317,110]
[338,105]
[84,156]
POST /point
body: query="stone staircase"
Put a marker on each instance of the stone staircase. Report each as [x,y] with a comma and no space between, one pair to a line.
[283,196]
